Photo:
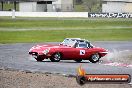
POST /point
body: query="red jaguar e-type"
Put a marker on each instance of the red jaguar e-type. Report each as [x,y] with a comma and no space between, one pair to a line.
[70,49]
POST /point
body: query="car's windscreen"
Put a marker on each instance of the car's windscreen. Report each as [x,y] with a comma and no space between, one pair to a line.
[68,42]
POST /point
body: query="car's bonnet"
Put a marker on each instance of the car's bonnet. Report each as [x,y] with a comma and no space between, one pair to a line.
[43,47]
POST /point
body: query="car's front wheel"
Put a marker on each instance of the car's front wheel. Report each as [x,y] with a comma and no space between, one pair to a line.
[56,57]
[94,58]
[39,58]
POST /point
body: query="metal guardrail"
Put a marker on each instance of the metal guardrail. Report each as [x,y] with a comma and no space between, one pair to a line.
[65,14]
[44,14]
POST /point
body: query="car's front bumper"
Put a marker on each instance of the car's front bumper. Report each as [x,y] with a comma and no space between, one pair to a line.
[35,55]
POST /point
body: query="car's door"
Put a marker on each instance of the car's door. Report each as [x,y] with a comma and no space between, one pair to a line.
[82,50]
[70,53]
[81,53]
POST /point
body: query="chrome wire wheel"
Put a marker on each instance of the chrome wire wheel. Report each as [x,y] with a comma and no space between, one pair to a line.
[94,58]
[56,57]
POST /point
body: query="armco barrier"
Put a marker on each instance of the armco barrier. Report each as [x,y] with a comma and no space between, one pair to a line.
[66,14]
[5,13]
[44,14]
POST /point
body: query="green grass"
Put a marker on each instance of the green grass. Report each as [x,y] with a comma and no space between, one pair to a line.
[59,35]
[60,23]
[52,30]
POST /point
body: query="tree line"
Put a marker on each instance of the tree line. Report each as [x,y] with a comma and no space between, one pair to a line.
[90,5]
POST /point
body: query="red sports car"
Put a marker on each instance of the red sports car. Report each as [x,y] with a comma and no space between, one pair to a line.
[70,49]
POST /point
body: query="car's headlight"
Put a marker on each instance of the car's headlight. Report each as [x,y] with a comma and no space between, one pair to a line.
[46,51]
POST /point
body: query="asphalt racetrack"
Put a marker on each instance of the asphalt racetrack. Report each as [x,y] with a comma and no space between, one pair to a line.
[15,56]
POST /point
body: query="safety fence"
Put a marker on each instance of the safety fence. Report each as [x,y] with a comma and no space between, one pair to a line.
[65,14]
[44,14]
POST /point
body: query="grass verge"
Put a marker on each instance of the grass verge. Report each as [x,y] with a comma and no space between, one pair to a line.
[47,30]
[59,35]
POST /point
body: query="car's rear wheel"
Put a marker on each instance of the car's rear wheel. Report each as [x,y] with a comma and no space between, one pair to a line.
[39,58]
[56,57]
[94,58]
[78,60]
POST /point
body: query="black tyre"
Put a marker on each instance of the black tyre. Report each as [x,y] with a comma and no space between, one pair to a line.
[39,58]
[94,58]
[78,60]
[56,57]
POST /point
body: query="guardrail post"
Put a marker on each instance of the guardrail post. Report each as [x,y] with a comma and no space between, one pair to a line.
[13,14]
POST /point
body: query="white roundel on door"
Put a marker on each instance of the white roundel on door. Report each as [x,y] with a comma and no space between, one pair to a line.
[82,52]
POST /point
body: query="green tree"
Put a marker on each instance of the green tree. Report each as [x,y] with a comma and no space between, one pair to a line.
[78,1]
[92,5]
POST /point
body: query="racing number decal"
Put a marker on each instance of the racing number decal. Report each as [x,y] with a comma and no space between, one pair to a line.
[82,52]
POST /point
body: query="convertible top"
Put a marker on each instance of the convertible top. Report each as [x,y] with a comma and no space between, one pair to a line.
[73,42]
[79,39]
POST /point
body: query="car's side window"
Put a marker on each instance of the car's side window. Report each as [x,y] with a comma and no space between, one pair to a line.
[81,45]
